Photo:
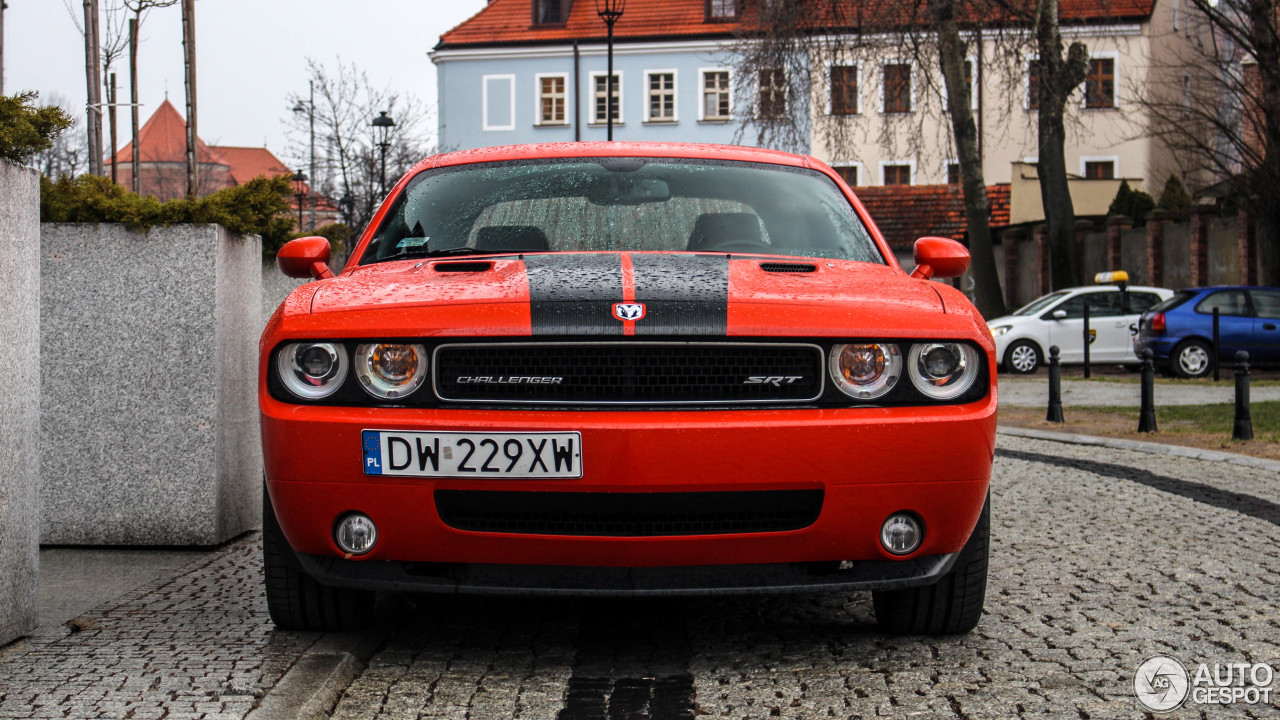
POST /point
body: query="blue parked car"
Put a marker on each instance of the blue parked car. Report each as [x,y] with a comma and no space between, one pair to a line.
[1179,330]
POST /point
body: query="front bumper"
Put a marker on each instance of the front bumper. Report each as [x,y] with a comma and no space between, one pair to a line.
[869,463]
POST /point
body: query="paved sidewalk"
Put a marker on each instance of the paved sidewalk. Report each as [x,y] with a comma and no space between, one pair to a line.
[1034,392]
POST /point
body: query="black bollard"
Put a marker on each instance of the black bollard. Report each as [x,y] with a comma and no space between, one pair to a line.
[1087,340]
[1147,412]
[1055,386]
[1243,427]
[1216,339]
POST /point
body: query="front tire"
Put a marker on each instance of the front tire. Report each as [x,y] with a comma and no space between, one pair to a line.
[1023,358]
[295,600]
[1192,359]
[951,606]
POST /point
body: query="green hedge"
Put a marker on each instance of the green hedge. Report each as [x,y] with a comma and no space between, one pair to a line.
[259,207]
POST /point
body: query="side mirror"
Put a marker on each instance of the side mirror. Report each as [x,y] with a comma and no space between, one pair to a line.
[1059,315]
[306,257]
[939,257]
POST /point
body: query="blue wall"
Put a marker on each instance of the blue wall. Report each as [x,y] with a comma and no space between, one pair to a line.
[462,95]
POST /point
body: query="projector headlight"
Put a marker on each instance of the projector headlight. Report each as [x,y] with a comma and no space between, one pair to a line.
[312,370]
[865,371]
[943,371]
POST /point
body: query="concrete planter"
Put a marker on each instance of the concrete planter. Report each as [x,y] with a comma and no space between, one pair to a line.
[19,398]
[148,349]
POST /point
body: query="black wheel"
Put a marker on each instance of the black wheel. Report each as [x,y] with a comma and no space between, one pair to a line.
[1192,359]
[951,606]
[294,599]
[1023,357]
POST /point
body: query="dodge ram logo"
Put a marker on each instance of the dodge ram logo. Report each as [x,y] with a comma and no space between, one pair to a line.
[628,311]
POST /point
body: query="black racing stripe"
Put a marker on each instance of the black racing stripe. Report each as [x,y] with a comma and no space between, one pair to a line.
[682,294]
[573,294]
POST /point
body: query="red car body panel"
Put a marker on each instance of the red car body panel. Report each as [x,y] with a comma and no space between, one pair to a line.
[934,460]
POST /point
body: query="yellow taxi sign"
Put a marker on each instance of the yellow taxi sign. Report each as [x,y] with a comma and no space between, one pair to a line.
[1107,278]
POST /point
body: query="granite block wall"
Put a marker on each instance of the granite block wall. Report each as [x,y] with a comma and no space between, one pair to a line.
[148,346]
[19,399]
[276,286]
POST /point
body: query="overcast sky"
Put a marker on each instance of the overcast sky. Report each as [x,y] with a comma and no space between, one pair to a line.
[250,55]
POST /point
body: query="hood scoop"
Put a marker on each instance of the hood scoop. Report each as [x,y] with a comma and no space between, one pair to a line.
[456,267]
[782,267]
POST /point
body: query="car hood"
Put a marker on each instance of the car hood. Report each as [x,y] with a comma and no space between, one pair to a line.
[1013,320]
[681,294]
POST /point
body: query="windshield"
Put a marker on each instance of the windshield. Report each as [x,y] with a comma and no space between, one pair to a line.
[615,204]
[1040,303]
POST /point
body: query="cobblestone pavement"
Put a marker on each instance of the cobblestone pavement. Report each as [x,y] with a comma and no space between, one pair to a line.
[1100,559]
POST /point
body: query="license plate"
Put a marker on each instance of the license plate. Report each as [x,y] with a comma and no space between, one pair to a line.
[466,455]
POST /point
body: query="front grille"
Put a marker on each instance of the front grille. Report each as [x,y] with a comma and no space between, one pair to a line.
[629,372]
[628,514]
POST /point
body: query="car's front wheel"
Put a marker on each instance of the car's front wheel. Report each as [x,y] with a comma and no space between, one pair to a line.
[295,600]
[951,606]
[1022,357]
[1192,359]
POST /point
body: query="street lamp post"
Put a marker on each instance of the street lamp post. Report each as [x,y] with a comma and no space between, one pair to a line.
[610,11]
[382,126]
[310,109]
[300,193]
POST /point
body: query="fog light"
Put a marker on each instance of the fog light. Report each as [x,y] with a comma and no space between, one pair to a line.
[356,534]
[901,534]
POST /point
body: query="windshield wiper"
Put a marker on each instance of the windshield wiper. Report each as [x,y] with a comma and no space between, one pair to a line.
[424,251]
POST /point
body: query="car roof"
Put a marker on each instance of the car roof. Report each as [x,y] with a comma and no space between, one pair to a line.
[1093,288]
[614,149]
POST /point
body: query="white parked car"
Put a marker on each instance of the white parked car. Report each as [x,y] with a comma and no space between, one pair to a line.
[1023,338]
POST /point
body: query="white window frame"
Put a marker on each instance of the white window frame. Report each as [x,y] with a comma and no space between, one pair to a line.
[592,94]
[1026,83]
[862,172]
[1113,159]
[857,71]
[909,163]
[702,88]
[1114,57]
[786,100]
[537,100]
[485,124]
[675,96]
[911,74]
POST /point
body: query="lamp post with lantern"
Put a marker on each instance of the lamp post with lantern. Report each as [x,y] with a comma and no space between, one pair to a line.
[300,193]
[610,11]
[309,108]
[382,128]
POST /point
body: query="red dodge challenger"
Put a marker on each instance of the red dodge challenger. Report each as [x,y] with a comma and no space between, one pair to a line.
[626,369]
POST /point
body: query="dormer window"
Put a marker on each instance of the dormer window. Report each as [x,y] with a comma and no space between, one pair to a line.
[722,10]
[550,12]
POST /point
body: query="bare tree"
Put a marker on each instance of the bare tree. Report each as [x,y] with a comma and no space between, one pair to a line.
[348,158]
[68,155]
[787,39]
[139,9]
[1219,109]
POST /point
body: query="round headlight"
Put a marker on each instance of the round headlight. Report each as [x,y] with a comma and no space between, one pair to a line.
[312,370]
[943,371]
[865,371]
[391,370]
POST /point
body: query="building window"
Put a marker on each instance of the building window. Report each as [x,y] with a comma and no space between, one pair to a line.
[603,104]
[1100,169]
[848,173]
[1033,85]
[662,97]
[897,88]
[715,95]
[1100,84]
[844,89]
[773,93]
[953,173]
[551,100]
[897,174]
[550,12]
[721,10]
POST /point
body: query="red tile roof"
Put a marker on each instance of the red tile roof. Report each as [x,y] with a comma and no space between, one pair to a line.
[907,212]
[248,163]
[511,21]
[164,139]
